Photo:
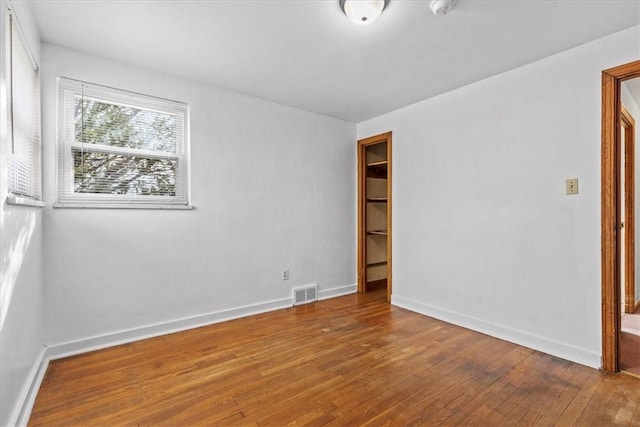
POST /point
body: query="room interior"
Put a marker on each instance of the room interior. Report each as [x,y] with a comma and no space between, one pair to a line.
[486,130]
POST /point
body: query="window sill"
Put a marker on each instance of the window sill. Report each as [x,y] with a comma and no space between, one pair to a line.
[120,206]
[12,199]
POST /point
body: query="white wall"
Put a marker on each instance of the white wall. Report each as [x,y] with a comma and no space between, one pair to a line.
[484,235]
[21,289]
[632,107]
[272,188]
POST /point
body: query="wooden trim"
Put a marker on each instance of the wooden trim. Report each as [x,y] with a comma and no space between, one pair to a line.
[624,72]
[362,226]
[628,123]
[610,270]
[389,222]
[611,79]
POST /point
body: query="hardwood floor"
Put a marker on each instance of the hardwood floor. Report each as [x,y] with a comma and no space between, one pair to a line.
[629,356]
[351,361]
[629,353]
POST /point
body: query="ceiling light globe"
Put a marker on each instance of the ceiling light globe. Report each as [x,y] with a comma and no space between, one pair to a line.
[363,11]
[441,7]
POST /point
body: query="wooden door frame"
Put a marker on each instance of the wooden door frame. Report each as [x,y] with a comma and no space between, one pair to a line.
[626,119]
[362,200]
[610,166]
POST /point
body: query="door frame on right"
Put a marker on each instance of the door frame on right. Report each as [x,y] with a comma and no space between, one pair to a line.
[610,210]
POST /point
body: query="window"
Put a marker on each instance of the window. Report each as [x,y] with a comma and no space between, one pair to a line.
[23,98]
[120,149]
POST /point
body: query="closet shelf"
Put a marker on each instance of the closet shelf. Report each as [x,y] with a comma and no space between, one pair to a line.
[377,232]
[380,163]
[377,170]
[376,264]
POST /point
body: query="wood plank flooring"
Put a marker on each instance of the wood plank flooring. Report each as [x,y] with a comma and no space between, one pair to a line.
[629,355]
[348,361]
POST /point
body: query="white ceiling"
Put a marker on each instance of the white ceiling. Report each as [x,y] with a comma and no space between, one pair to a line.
[307,54]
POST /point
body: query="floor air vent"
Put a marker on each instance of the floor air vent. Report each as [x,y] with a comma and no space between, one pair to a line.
[305,294]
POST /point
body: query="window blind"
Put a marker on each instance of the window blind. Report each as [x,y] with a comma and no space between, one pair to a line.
[24,176]
[120,147]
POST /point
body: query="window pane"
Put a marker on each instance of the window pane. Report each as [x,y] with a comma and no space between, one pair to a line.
[118,147]
[103,173]
[98,122]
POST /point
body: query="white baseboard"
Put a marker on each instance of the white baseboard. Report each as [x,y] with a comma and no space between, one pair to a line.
[545,345]
[336,292]
[71,348]
[29,392]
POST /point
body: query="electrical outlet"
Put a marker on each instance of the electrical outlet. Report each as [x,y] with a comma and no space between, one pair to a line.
[572,186]
[285,274]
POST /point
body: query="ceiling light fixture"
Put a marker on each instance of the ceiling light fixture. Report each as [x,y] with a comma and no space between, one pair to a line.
[441,7]
[363,11]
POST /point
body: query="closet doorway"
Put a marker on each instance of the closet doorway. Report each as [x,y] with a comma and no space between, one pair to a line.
[374,214]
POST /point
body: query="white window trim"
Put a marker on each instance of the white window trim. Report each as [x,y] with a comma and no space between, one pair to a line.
[12,199]
[64,161]
[159,206]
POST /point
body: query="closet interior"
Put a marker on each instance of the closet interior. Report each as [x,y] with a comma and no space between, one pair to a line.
[375,214]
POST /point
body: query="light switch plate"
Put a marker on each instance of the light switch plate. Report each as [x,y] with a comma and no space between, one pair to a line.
[572,186]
